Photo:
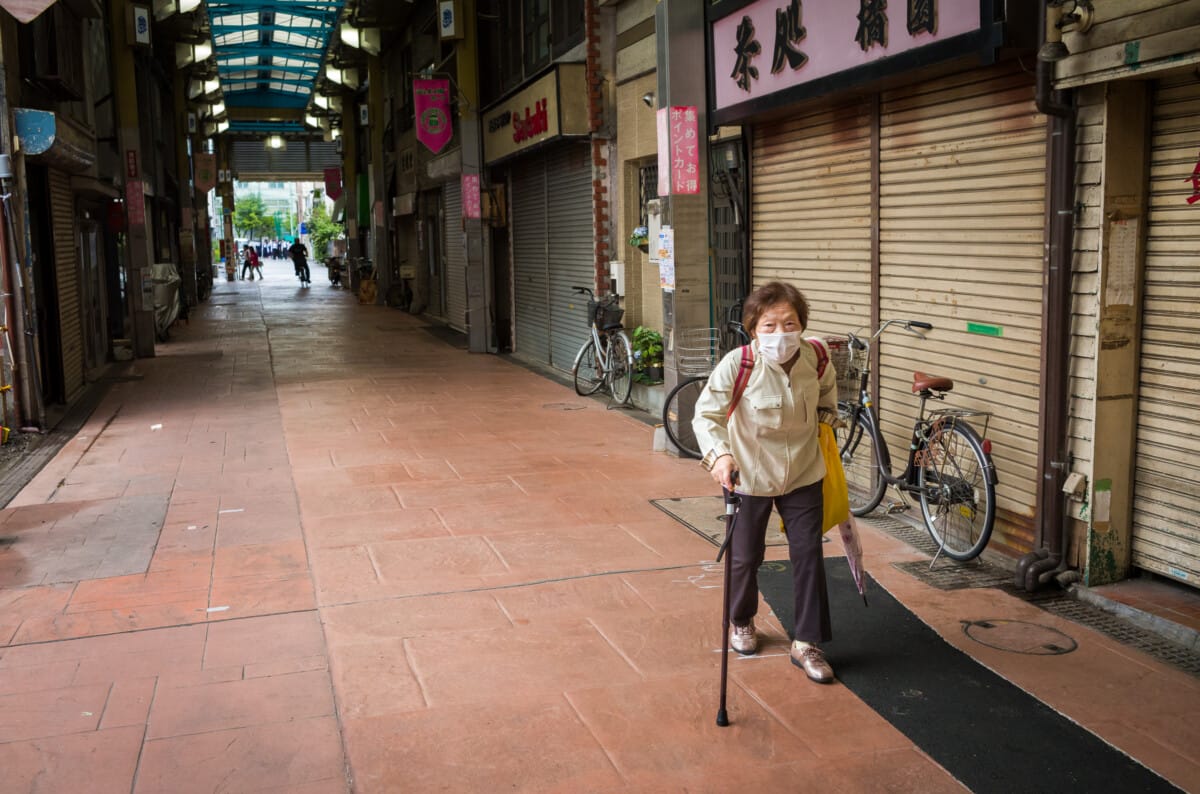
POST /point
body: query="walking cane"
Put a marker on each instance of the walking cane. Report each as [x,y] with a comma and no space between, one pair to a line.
[732,501]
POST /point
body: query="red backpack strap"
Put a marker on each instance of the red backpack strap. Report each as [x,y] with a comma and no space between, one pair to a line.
[822,355]
[743,377]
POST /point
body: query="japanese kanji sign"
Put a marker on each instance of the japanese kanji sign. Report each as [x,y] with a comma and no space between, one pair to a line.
[472,206]
[771,45]
[135,202]
[431,100]
[678,134]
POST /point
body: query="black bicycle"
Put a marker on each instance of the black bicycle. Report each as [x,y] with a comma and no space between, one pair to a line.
[680,405]
[949,466]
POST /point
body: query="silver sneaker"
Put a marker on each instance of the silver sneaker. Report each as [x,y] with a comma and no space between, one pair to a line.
[745,639]
[811,660]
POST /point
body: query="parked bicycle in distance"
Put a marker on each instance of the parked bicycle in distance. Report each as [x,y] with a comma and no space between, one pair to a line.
[606,358]
[708,347]
[949,466]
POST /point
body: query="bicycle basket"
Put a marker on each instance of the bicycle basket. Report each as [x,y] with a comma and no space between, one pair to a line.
[697,350]
[604,314]
[839,357]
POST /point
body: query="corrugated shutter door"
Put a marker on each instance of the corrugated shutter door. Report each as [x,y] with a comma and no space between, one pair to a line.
[811,210]
[962,192]
[1166,505]
[456,257]
[569,216]
[66,281]
[301,160]
[530,277]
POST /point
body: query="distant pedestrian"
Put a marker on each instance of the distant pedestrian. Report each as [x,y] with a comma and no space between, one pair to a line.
[300,260]
[250,262]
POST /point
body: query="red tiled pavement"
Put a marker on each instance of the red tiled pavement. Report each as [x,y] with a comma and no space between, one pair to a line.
[356,558]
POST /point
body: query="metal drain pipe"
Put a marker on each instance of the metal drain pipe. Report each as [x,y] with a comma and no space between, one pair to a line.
[1048,560]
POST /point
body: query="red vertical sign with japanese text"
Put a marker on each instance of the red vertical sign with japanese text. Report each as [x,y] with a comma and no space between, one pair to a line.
[678,151]
[471,204]
[685,151]
[135,202]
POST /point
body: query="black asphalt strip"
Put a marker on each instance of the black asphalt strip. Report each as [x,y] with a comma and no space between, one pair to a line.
[989,734]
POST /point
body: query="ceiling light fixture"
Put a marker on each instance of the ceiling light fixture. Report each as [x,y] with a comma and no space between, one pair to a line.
[192,53]
[366,39]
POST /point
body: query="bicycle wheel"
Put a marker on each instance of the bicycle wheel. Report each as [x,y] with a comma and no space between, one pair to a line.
[958,495]
[678,411]
[620,365]
[586,372]
[857,444]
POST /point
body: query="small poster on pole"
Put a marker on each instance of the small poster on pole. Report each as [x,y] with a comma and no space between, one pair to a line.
[666,258]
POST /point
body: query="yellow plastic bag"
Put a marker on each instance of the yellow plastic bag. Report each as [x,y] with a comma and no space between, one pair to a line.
[833,489]
[837,498]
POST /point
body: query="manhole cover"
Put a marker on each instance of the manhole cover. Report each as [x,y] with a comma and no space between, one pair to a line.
[563,406]
[1019,636]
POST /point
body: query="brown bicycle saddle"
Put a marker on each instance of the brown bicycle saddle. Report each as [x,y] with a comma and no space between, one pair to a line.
[923,382]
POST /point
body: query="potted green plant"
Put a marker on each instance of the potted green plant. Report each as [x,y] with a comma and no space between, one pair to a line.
[639,238]
[647,355]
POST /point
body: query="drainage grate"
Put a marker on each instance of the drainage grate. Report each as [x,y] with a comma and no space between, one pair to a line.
[1122,631]
[915,536]
[949,575]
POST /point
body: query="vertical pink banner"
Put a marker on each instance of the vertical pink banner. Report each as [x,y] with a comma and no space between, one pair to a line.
[333,182]
[206,171]
[685,151]
[135,203]
[663,122]
[432,105]
[471,205]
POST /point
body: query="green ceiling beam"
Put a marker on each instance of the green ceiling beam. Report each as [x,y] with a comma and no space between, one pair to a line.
[310,71]
[313,54]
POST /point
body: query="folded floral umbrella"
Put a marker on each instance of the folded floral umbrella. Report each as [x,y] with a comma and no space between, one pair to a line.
[854,554]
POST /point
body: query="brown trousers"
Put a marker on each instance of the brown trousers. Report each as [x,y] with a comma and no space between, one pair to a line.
[802,511]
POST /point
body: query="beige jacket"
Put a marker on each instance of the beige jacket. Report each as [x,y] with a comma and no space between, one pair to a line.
[773,431]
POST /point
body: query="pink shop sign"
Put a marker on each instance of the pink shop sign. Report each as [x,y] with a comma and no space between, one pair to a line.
[772,45]
[678,133]
[472,206]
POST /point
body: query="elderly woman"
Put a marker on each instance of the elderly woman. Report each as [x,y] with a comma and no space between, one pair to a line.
[762,443]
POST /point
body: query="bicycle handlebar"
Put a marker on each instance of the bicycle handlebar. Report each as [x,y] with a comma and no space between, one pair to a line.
[914,326]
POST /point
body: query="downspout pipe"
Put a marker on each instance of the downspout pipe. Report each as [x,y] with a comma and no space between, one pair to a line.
[1048,560]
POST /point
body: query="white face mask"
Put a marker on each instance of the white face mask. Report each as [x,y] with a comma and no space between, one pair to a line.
[779,348]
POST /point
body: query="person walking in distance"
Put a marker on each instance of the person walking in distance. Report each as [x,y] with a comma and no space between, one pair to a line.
[756,422]
[250,262]
[300,260]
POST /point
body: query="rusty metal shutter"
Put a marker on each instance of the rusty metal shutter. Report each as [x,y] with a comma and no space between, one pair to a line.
[66,280]
[1166,505]
[569,258]
[962,196]
[811,210]
[455,243]
[530,274]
